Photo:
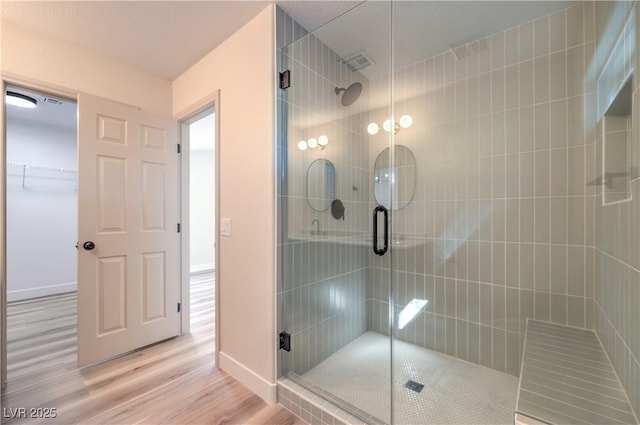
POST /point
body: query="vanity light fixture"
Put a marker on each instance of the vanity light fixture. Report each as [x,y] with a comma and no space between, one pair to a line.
[320,143]
[21,100]
[405,122]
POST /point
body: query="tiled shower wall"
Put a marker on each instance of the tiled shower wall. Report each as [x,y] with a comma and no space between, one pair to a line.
[322,284]
[504,142]
[617,288]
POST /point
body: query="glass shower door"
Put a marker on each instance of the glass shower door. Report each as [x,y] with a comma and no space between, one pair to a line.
[330,279]
[452,119]
[496,233]
[473,131]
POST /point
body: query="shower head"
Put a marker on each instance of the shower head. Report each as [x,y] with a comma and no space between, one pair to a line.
[351,93]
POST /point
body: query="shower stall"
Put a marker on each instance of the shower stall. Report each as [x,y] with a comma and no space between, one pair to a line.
[459,216]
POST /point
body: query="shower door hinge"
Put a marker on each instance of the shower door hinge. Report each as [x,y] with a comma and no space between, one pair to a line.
[178,227]
[285,341]
[179,307]
[179,149]
[285,79]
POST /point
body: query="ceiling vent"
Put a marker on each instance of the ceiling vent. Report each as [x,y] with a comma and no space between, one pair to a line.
[51,101]
[358,60]
[463,49]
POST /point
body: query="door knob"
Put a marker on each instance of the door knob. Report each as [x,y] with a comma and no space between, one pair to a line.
[88,245]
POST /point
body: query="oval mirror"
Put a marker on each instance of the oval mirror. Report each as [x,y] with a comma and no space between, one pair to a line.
[321,184]
[399,179]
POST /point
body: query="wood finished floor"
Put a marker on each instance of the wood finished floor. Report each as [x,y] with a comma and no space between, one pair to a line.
[172,382]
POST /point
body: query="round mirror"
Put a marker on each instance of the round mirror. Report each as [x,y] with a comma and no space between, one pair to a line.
[321,184]
[399,179]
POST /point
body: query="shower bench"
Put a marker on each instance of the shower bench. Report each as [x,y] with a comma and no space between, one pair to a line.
[567,378]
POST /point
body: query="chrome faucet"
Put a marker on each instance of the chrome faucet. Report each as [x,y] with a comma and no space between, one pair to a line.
[315,220]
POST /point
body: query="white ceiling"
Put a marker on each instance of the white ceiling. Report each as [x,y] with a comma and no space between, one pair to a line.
[313,14]
[162,37]
[422,29]
[167,37]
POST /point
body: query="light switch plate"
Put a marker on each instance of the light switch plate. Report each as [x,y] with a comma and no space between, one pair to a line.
[225,226]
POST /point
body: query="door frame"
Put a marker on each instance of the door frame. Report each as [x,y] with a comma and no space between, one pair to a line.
[70,94]
[43,87]
[3,243]
[211,101]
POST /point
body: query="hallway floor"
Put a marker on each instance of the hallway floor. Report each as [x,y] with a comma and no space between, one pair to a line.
[172,382]
[455,391]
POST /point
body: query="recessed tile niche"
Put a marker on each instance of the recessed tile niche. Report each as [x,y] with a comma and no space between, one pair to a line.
[616,155]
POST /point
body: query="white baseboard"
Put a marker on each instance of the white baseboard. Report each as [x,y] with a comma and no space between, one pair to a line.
[201,268]
[266,390]
[42,291]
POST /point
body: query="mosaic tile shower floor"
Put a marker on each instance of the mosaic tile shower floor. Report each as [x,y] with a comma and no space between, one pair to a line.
[455,391]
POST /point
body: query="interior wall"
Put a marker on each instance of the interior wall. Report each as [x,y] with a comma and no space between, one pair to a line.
[242,68]
[38,59]
[617,293]
[42,223]
[505,147]
[323,282]
[202,210]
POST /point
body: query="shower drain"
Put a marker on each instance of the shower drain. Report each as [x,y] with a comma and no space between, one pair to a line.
[414,386]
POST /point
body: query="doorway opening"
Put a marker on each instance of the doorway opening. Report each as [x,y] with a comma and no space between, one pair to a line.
[199,137]
[42,223]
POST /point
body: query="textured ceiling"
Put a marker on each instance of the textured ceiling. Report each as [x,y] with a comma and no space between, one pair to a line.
[422,29]
[313,14]
[161,37]
[167,37]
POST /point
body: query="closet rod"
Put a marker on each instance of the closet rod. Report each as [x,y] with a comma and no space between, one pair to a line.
[25,167]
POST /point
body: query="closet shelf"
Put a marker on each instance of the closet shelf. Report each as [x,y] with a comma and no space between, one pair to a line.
[23,168]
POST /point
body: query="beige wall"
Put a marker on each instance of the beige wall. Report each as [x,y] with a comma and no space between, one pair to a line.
[37,59]
[242,68]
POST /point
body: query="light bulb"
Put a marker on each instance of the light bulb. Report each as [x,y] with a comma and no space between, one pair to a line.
[373,129]
[313,143]
[387,125]
[406,121]
[323,140]
[302,145]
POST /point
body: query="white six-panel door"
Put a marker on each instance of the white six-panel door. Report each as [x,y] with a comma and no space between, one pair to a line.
[128,285]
